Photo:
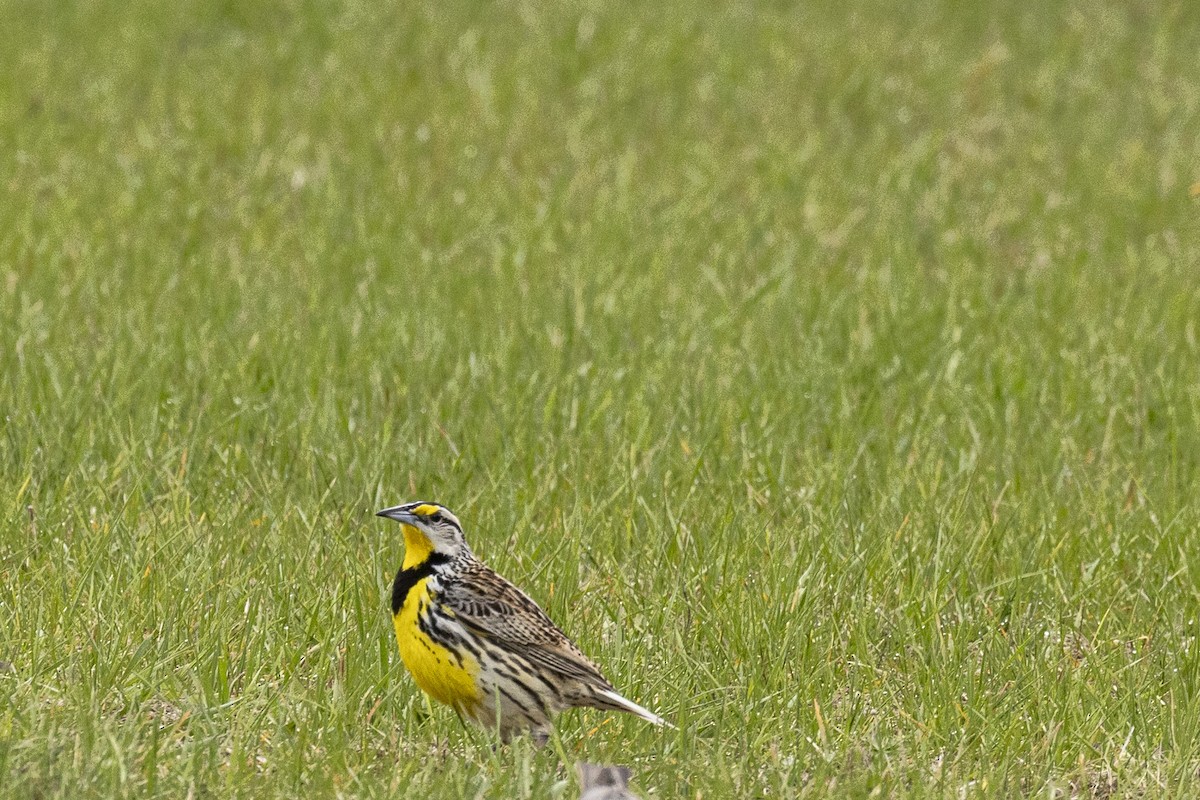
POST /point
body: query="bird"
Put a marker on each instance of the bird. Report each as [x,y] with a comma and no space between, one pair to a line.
[475,642]
[600,782]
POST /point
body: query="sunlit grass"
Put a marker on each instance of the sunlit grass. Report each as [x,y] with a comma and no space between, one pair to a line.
[830,374]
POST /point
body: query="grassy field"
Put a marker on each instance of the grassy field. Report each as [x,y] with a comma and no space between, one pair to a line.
[830,373]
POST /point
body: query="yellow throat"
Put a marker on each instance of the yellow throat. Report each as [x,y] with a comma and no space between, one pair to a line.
[417,547]
[446,676]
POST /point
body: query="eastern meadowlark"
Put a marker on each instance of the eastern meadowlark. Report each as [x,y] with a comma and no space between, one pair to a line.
[477,643]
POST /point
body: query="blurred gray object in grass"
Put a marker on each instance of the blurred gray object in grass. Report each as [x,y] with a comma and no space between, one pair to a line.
[600,782]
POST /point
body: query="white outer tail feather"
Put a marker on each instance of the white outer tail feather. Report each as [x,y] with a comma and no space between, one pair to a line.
[634,708]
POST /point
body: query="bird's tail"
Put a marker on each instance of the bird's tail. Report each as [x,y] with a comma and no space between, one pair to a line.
[608,699]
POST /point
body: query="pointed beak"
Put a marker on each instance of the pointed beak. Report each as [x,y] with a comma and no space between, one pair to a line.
[398,513]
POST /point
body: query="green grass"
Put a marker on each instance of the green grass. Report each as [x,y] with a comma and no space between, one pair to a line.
[829,373]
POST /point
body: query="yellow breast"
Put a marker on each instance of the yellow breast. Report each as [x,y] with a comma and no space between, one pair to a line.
[435,669]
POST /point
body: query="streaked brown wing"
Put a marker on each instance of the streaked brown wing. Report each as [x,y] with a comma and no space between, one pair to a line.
[496,609]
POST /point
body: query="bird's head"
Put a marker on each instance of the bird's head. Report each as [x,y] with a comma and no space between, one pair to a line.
[428,528]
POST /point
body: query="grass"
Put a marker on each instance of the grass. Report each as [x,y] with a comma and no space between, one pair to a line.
[830,373]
